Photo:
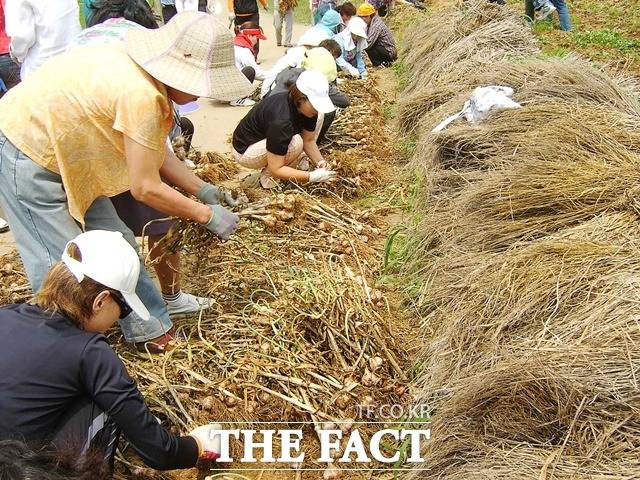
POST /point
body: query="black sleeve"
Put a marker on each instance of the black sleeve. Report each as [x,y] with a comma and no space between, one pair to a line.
[279,135]
[339,99]
[309,124]
[108,383]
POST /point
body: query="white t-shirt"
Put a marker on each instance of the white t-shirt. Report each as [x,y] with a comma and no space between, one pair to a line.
[40,30]
[245,58]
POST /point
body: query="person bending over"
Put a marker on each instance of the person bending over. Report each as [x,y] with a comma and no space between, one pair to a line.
[274,133]
[353,42]
[61,384]
[72,137]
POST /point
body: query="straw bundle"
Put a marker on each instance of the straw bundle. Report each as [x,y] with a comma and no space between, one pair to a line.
[565,290]
[514,136]
[562,413]
[534,80]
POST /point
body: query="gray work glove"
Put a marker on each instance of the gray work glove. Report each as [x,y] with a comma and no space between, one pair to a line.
[223,222]
[212,195]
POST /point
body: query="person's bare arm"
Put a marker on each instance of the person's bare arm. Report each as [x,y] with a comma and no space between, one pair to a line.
[277,168]
[176,173]
[310,147]
[148,188]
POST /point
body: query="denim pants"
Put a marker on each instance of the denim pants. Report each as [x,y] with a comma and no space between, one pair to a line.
[561,6]
[9,72]
[35,204]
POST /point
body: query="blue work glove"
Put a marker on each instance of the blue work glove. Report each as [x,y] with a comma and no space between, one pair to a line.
[223,222]
[212,195]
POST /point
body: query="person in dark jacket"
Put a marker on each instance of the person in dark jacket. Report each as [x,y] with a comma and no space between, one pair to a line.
[61,384]
[241,11]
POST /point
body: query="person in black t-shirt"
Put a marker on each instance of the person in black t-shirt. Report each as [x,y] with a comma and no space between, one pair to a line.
[277,130]
[61,384]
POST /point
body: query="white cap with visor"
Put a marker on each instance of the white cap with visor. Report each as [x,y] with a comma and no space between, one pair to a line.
[108,259]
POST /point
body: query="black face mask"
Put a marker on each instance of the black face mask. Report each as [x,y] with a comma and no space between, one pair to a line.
[125,309]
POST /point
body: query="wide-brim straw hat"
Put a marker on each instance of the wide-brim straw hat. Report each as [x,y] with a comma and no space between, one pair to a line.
[192,53]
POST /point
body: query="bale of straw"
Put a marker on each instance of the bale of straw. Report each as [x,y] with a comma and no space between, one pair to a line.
[534,80]
[551,131]
[435,50]
[568,412]
[570,289]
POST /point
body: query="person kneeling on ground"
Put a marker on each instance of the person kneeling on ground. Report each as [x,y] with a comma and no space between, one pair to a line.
[247,36]
[72,137]
[83,400]
[353,42]
[318,59]
[381,45]
[274,133]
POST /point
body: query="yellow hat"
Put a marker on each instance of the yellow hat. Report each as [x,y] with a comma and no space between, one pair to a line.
[320,60]
[365,9]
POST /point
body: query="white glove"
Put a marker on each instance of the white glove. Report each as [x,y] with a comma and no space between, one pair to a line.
[322,163]
[208,441]
[364,74]
[231,16]
[322,175]
[354,72]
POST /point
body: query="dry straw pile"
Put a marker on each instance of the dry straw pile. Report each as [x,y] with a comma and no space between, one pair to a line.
[524,261]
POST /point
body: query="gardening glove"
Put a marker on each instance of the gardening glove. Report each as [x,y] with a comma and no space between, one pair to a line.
[322,175]
[322,163]
[364,75]
[212,195]
[223,222]
[208,441]
[354,72]
[231,16]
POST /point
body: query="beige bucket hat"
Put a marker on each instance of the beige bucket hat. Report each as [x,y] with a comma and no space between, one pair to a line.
[192,53]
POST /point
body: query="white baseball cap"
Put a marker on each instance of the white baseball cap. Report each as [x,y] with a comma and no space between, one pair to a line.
[316,87]
[108,259]
[358,27]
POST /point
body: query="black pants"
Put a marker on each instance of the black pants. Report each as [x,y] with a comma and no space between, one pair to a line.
[379,55]
[328,120]
[252,17]
[168,11]
[187,130]
[86,428]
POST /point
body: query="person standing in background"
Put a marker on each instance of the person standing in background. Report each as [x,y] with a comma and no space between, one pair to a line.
[532,13]
[171,7]
[283,10]
[9,75]
[40,30]
[9,70]
[241,11]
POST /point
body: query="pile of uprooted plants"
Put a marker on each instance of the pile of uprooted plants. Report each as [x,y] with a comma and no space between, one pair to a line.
[301,330]
[525,259]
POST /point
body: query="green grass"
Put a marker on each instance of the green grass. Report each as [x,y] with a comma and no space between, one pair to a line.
[607,38]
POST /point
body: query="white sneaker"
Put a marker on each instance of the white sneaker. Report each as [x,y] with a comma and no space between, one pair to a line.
[242,102]
[4,225]
[187,303]
[545,11]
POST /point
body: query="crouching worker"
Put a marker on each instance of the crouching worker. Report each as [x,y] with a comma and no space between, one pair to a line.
[92,123]
[381,46]
[61,384]
[276,131]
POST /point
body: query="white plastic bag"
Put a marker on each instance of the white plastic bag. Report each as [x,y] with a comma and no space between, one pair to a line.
[483,101]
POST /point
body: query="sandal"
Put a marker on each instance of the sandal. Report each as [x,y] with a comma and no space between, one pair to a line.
[165,343]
